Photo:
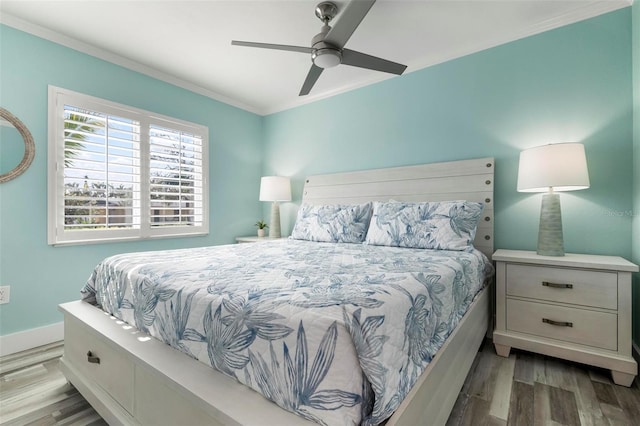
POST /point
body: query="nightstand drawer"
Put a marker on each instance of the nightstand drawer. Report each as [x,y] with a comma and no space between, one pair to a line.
[598,329]
[574,286]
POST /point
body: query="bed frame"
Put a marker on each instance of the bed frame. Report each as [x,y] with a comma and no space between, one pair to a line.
[131,378]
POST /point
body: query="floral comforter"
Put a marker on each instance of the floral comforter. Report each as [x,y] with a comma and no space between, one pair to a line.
[336,333]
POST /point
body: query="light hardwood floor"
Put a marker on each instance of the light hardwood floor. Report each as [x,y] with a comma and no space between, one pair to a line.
[524,389]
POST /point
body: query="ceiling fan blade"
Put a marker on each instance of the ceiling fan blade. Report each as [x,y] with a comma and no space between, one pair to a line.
[286,47]
[362,60]
[348,21]
[311,79]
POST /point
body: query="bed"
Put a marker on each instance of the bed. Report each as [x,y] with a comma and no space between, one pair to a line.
[317,343]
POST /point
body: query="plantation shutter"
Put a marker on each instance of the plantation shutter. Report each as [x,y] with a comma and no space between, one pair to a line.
[176,179]
[101,170]
[120,173]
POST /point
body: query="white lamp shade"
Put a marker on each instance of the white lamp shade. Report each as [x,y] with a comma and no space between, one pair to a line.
[561,167]
[275,188]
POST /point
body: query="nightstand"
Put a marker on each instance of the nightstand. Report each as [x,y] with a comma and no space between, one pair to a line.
[576,307]
[256,239]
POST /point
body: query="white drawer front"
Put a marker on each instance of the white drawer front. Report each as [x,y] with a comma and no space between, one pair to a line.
[597,329]
[114,373]
[578,287]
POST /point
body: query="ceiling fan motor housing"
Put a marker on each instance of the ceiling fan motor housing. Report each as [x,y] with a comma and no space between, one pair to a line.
[325,55]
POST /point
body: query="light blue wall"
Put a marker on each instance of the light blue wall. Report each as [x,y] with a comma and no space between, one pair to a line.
[571,84]
[636,166]
[42,276]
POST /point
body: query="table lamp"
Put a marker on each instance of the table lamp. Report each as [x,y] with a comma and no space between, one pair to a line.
[275,188]
[552,168]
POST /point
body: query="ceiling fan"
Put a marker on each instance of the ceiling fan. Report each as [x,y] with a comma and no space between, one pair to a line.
[327,48]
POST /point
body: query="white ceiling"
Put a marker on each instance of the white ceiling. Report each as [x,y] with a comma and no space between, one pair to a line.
[188,43]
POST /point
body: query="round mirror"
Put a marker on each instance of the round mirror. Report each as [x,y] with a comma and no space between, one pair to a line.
[16,146]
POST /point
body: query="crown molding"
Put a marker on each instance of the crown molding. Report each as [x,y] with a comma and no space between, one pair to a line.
[116,59]
[582,11]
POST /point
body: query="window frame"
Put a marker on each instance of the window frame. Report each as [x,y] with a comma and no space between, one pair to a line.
[57,235]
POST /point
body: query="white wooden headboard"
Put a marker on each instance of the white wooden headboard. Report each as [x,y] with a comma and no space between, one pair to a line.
[470,180]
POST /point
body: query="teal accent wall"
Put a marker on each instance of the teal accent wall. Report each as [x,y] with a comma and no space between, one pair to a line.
[635,12]
[572,84]
[42,276]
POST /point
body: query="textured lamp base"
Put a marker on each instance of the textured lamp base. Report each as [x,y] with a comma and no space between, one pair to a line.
[274,226]
[550,241]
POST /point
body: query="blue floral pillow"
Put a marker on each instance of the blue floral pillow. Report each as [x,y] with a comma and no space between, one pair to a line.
[447,225]
[332,223]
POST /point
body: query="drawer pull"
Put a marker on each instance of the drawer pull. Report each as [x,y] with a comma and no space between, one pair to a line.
[558,323]
[556,285]
[92,359]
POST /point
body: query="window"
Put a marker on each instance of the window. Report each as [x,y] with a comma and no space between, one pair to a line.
[119,173]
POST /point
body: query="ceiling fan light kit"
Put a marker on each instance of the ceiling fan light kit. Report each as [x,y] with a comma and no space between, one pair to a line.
[327,47]
[327,57]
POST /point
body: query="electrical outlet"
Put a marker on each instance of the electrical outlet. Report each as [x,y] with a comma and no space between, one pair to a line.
[4,294]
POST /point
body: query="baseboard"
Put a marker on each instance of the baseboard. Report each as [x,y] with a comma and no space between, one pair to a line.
[28,339]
